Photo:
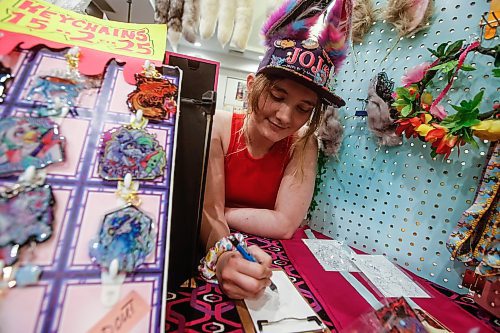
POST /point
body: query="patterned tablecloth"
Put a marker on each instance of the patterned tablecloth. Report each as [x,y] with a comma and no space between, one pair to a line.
[206,309]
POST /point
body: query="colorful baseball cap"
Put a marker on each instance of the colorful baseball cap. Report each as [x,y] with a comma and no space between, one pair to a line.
[309,60]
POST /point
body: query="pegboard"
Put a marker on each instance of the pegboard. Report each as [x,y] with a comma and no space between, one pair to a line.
[398,201]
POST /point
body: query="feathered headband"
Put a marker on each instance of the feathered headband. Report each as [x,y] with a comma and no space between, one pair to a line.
[294,53]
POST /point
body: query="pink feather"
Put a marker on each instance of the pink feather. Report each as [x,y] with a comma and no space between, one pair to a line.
[334,37]
[298,29]
[419,8]
[276,16]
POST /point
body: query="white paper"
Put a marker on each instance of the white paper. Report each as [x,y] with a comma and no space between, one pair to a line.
[332,254]
[388,278]
[286,303]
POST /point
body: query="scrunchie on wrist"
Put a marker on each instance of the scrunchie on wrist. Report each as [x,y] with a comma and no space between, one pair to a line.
[209,262]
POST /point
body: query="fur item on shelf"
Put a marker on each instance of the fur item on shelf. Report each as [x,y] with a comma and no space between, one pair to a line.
[335,36]
[363,17]
[379,118]
[225,25]
[209,9]
[191,20]
[243,25]
[161,11]
[174,23]
[409,16]
[290,20]
[330,132]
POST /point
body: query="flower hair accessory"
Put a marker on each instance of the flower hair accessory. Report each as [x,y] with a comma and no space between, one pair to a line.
[310,60]
[421,115]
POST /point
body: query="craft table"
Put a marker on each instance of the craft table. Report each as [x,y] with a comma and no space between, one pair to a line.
[206,309]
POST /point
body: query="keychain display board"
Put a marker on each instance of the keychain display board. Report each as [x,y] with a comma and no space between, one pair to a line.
[398,201]
[67,298]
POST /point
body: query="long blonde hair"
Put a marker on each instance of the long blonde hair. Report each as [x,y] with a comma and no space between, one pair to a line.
[263,84]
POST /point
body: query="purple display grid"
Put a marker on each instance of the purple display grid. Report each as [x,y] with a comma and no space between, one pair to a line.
[56,276]
[37,307]
[155,282]
[22,61]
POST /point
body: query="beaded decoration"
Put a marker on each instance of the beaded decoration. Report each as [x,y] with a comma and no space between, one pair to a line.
[209,262]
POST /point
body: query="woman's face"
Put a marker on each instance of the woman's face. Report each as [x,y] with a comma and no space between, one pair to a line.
[283,110]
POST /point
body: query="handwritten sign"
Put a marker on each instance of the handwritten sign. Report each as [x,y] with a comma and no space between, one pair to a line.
[41,19]
[123,316]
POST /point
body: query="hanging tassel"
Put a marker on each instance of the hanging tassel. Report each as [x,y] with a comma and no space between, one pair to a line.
[209,9]
[227,13]
[363,17]
[243,26]
[330,132]
[191,20]
[174,24]
[408,16]
[161,11]
[335,35]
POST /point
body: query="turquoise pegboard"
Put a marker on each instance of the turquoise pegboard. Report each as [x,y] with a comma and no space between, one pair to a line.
[398,201]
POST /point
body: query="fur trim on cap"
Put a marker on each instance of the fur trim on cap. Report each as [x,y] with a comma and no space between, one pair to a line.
[335,36]
[243,26]
[209,9]
[191,20]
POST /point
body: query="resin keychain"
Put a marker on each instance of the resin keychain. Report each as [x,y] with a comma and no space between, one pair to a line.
[59,90]
[26,218]
[29,141]
[126,237]
[155,95]
[131,149]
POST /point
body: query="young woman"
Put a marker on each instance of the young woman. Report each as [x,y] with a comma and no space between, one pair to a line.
[261,173]
[262,165]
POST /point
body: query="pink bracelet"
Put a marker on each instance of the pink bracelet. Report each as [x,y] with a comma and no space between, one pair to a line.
[209,262]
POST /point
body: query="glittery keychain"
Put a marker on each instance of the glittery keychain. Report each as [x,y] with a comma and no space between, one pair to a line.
[29,141]
[126,235]
[131,149]
[26,218]
[59,90]
[155,95]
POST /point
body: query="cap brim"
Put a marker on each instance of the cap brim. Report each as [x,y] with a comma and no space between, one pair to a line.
[326,95]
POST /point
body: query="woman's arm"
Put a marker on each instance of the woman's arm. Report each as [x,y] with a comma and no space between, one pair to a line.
[293,200]
[238,278]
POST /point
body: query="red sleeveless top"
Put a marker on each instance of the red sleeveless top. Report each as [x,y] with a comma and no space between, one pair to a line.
[252,182]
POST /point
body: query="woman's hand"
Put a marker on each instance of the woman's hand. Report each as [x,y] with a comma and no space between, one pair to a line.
[240,278]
